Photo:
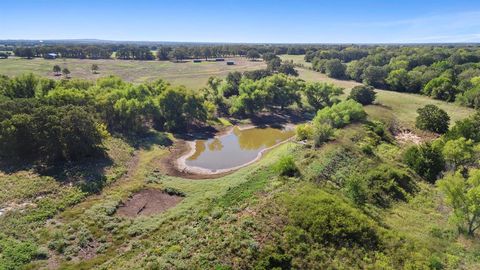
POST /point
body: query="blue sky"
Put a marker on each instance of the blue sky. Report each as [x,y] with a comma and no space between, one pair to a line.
[301,21]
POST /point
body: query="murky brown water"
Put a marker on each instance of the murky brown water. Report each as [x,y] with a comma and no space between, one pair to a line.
[236,148]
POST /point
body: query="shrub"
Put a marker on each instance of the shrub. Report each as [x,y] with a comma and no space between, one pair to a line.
[363,94]
[340,114]
[322,133]
[356,190]
[329,221]
[304,132]
[386,184]
[286,167]
[432,118]
[426,160]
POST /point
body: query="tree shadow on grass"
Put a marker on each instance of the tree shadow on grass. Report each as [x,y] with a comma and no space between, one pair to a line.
[147,140]
[88,173]
[278,119]
[197,133]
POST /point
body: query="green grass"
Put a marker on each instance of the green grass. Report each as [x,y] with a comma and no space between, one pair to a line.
[192,75]
[297,59]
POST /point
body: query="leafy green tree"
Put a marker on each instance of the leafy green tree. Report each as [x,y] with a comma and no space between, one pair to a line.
[207,53]
[426,160]
[288,68]
[335,69]
[340,114]
[471,96]
[458,152]
[253,54]
[194,109]
[57,70]
[432,118]
[94,68]
[269,56]
[171,102]
[355,70]
[280,90]
[162,53]
[398,80]
[66,72]
[467,128]
[363,94]
[440,88]
[463,195]
[321,95]
[375,76]
[274,64]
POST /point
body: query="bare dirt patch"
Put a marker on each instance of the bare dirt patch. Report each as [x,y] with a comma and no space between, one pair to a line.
[148,202]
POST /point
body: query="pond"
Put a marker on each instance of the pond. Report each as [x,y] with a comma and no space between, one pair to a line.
[233,150]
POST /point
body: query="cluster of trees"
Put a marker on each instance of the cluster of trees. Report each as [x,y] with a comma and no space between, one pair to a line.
[453,155]
[47,120]
[134,53]
[275,64]
[445,73]
[38,116]
[81,52]
[243,95]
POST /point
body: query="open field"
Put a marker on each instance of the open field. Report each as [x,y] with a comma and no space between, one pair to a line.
[192,75]
[297,59]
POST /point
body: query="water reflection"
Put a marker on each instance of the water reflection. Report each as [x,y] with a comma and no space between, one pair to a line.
[236,148]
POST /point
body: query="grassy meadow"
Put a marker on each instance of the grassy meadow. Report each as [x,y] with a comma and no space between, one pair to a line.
[192,75]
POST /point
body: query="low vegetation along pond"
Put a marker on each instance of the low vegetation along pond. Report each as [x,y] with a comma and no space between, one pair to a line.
[237,148]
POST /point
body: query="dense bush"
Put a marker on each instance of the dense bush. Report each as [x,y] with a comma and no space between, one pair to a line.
[320,218]
[322,133]
[362,94]
[304,132]
[426,160]
[340,114]
[286,167]
[433,119]
[386,184]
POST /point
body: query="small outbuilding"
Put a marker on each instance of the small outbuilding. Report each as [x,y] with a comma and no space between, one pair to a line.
[51,56]
[197,61]
[219,59]
[230,63]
